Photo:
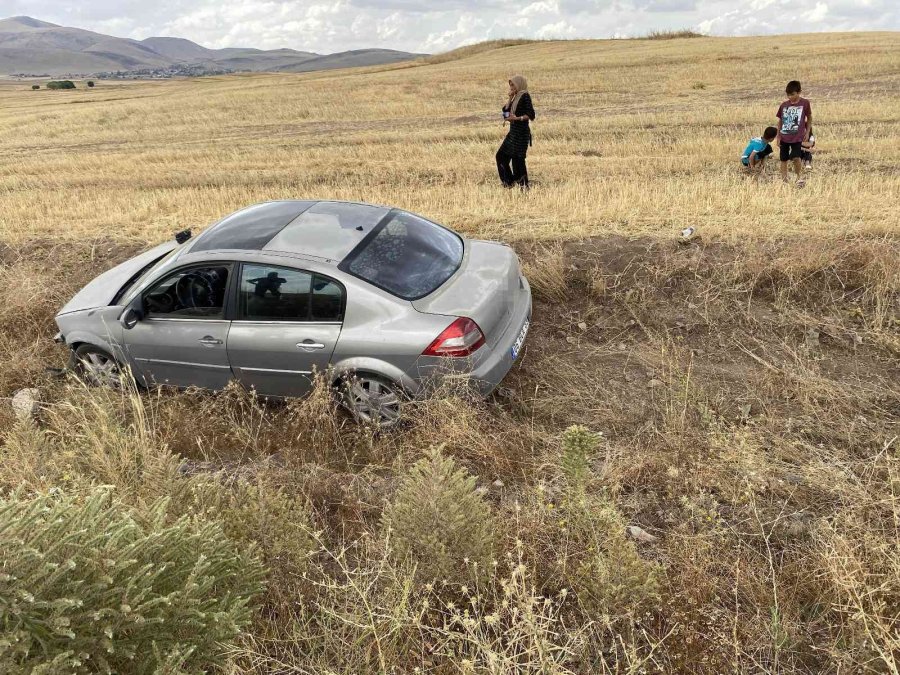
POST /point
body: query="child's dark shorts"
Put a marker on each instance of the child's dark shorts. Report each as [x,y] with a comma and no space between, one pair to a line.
[791,151]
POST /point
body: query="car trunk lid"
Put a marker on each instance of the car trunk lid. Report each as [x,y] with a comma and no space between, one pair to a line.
[485,289]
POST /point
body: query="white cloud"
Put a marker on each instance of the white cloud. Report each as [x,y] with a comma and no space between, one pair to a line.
[467,26]
[558,30]
[795,16]
[417,25]
[543,7]
[818,13]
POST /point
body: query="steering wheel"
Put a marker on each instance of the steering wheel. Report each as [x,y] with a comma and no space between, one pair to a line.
[195,291]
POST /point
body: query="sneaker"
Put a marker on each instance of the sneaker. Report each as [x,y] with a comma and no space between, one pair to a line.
[808,166]
[801,183]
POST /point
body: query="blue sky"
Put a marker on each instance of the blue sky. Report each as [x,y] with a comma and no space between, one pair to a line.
[414,25]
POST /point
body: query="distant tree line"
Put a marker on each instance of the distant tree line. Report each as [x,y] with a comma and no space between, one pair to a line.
[61,84]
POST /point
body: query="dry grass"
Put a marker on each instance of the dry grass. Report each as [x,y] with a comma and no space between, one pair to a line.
[746,384]
[673,34]
[623,142]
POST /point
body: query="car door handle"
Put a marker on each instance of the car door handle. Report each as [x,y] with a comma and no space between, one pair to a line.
[310,345]
[209,341]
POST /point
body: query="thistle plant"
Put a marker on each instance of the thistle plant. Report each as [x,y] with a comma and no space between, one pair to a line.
[87,585]
[439,520]
[578,447]
[605,568]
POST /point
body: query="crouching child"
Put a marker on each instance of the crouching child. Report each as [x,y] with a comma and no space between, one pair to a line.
[754,157]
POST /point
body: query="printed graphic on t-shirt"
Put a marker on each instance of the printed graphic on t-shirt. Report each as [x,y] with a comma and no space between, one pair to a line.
[790,119]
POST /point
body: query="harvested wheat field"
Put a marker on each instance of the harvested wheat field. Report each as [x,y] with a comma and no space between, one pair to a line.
[693,467]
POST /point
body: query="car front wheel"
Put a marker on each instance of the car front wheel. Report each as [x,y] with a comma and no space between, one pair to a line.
[372,399]
[97,367]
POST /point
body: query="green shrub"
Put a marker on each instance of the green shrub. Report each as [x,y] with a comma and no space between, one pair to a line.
[35,87]
[606,571]
[90,83]
[585,533]
[263,515]
[439,520]
[61,84]
[89,586]
[579,445]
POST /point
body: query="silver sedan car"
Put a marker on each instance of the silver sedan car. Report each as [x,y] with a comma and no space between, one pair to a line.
[383,301]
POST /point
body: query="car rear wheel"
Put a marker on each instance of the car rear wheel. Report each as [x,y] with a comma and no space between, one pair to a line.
[97,367]
[372,399]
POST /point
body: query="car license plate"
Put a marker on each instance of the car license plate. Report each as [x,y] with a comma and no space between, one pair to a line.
[517,345]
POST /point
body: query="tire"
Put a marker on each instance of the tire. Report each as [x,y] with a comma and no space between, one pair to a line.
[97,367]
[372,399]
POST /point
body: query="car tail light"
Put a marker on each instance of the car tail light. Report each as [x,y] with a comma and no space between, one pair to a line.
[460,338]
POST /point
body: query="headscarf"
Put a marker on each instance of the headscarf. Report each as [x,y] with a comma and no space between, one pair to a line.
[521,85]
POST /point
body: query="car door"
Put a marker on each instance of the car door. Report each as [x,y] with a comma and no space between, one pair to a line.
[181,338]
[285,328]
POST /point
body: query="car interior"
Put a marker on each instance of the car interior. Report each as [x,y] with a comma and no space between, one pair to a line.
[268,294]
[197,292]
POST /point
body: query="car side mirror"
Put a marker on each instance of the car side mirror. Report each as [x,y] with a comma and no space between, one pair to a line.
[130,317]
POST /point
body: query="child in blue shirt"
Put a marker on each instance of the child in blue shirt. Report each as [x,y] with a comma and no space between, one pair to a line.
[758,149]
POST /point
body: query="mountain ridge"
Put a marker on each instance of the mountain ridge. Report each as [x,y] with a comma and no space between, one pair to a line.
[29,45]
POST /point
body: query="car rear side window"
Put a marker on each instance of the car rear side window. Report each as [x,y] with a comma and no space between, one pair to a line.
[327,301]
[407,256]
[271,293]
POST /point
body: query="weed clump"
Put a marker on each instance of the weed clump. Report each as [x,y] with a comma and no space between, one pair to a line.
[438,519]
[673,34]
[254,513]
[584,533]
[606,571]
[89,585]
[579,446]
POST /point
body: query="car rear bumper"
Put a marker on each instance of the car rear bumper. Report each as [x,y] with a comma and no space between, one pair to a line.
[491,370]
[487,367]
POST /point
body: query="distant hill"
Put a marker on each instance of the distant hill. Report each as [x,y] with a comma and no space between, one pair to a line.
[355,57]
[29,45]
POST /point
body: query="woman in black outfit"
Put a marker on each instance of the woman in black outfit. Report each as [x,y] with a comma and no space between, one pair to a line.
[518,112]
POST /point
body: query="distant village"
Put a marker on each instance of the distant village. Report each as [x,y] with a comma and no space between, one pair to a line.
[195,70]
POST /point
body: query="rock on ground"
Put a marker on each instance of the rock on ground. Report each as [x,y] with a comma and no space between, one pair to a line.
[26,403]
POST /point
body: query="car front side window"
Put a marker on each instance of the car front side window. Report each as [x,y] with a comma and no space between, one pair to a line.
[191,293]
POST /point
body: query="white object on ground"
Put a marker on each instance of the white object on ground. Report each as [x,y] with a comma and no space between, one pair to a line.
[640,534]
[26,402]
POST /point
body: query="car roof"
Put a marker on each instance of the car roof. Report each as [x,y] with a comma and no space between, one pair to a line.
[327,230]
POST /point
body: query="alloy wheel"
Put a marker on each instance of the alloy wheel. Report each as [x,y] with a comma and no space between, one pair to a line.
[373,400]
[100,369]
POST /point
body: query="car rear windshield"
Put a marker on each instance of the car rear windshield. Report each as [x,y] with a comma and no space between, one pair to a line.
[406,255]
